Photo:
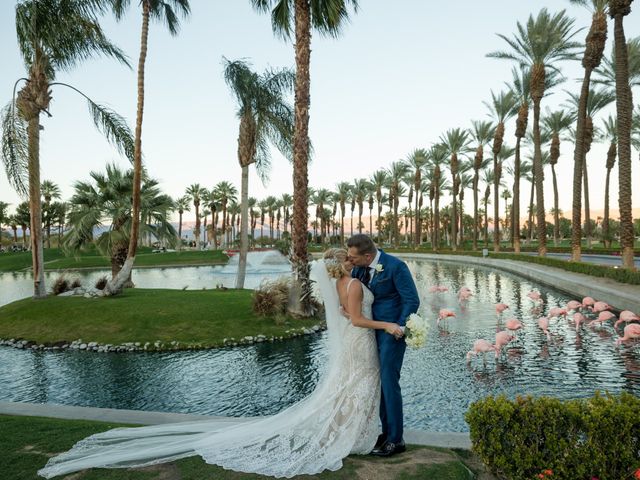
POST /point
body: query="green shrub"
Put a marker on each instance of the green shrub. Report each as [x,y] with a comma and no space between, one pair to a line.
[576,439]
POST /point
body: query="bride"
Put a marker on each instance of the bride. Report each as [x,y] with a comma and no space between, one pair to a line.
[340,417]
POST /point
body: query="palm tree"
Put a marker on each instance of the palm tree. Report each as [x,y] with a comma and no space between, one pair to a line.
[417,161]
[49,191]
[224,192]
[537,46]
[12,221]
[606,73]
[298,16]
[196,194]
[464,181]
[287,203]
[594,50]
[265,117]
[164,11]
[359,192]
[554,124]
[371,201]
[106,201]
[596,101]
[618,9]
[378,181]
[521,81]
[455,141]
[502,107]
[23,218]
[4,216]
[53,35]
[321,198]
[437,158]
[610,134]
[343,194]
[182,204]
[481,133]
[396,172]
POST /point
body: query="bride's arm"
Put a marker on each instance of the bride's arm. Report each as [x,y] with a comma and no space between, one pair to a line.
[354,312]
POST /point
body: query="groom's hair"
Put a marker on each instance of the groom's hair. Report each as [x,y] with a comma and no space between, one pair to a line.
[363,243]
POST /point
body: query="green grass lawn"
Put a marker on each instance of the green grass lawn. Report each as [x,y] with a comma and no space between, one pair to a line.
[27,442]
[55,259]
[202,317]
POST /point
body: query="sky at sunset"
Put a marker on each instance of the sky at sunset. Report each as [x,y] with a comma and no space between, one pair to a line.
[399,76]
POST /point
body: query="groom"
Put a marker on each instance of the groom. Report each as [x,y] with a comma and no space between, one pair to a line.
[396,298]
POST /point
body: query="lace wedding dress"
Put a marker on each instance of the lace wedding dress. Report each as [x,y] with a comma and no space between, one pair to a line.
[338,418]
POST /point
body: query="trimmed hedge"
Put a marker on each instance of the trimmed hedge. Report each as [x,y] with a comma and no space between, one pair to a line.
[575,439]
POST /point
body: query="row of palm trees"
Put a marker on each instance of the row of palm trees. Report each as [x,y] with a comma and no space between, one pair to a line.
[68,32]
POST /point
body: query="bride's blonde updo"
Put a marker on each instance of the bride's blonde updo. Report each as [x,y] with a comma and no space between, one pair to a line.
[334,259]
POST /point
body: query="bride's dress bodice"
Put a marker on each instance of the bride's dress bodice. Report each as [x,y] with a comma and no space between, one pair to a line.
[338,418]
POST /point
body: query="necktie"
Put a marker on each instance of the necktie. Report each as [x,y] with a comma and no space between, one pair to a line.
[366,278]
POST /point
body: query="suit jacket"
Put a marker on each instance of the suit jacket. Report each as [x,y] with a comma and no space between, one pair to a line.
[395,292]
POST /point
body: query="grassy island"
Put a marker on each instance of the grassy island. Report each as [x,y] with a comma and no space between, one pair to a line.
[200,318]
[55,259]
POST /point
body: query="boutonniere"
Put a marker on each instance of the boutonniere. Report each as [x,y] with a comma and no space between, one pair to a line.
[379,268]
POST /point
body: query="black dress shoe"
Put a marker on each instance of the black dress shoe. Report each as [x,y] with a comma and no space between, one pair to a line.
[380,441]
[389,448]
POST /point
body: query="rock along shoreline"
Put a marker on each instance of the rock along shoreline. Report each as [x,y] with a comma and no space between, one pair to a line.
[157,346]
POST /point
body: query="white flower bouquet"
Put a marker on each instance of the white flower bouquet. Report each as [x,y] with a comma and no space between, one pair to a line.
[416,331]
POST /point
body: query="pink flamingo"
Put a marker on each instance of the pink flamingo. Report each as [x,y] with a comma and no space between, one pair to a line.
[626,316]
[631,331]
[557,312]
[602,317]
[588,302]
[534,295]
[502,339]
[573,305]
[513,324]
[481,346]
[464,294]
[601,307]
[578,318]
[444,314]
[501,307]
[543,323]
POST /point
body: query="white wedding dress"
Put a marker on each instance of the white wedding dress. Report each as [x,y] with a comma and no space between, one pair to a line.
[338,418]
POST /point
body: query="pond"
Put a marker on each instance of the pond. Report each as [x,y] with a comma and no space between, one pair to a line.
[437,383]
[261,266]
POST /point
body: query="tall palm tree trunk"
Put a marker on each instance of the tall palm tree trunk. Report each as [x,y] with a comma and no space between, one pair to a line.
[605,222]
[301,153]
[624,108]
[587,208]
[244,226]
[578,169]
[497,171]
[539,177]
[475,209]
[556,213]
[531,198]
[35,207]
[515,204]
[117,284]
[180,230]
[611,158]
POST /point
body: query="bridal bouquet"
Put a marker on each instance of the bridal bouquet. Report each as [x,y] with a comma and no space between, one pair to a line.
[416,331]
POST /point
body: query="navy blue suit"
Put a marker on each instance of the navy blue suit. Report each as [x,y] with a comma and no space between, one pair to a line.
[396,298]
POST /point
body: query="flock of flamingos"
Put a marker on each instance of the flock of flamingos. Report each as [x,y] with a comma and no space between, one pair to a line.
[597,312]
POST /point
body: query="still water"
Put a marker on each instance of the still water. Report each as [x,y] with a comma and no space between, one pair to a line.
[437,384]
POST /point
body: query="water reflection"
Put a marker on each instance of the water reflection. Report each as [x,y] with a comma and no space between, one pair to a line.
[438,385]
